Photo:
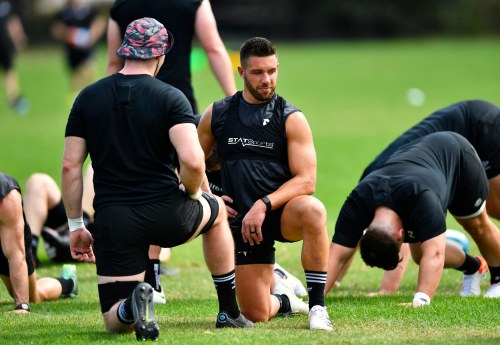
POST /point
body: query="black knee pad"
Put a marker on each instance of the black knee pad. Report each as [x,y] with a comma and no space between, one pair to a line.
[214,211]
[110,293]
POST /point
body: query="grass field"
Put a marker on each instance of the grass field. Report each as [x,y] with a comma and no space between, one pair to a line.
[354,95]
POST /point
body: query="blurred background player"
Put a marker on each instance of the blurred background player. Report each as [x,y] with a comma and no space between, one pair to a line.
[16,265]
[12,38]
[79,26]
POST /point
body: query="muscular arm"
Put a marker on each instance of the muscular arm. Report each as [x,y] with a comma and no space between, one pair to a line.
[431,264]
[302,162]
[191,159]
[206,30]
[75,152]
[114,38]
[206,138]
[12,241]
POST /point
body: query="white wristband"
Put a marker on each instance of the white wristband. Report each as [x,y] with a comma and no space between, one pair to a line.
[76,224]
[197,195]
[422,298]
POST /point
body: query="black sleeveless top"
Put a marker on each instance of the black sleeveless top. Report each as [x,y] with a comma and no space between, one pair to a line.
[7,184]
[252,146]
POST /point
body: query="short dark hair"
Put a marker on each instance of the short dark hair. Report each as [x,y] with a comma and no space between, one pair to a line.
[256,46]
[379,249]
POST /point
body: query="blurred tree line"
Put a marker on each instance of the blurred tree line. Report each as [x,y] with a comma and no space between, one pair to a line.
[326,19]
[347,19]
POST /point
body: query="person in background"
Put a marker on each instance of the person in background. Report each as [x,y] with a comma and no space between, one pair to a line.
[80,26]
[44,209]
[186,19]
[17,270]
[12,39]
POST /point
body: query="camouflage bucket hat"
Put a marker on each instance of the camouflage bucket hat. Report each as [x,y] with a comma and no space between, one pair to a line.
[145,38]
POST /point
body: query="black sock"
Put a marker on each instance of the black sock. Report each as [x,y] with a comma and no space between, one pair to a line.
[316,282]
[495,274]
[34,248]
[67,285]
[226,293]
[124,311]
[470,265]
[152,276]
[285,306]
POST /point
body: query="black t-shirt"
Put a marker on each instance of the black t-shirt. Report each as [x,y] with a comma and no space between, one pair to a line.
[178,16]
[418,182]
[7,184]
[125,120]
[252,147]
[477,121]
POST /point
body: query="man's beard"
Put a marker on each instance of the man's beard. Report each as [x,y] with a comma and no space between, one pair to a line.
[255,93]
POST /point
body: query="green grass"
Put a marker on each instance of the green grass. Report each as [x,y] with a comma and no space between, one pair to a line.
[354,97]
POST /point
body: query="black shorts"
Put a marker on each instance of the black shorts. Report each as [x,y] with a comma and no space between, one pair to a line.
[57,219]
[56,216]
[6,53]
[263,253]
[122,233]
[77,57]
[472,187]
[4,263]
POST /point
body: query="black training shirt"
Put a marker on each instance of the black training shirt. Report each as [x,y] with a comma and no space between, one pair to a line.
[125,120]
[418,182]
[7,184]
[252,146]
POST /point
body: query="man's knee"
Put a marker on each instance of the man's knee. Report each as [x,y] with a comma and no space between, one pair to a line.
[475,226]
[255,312]
[314,215]
[38,181]
[256,315]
